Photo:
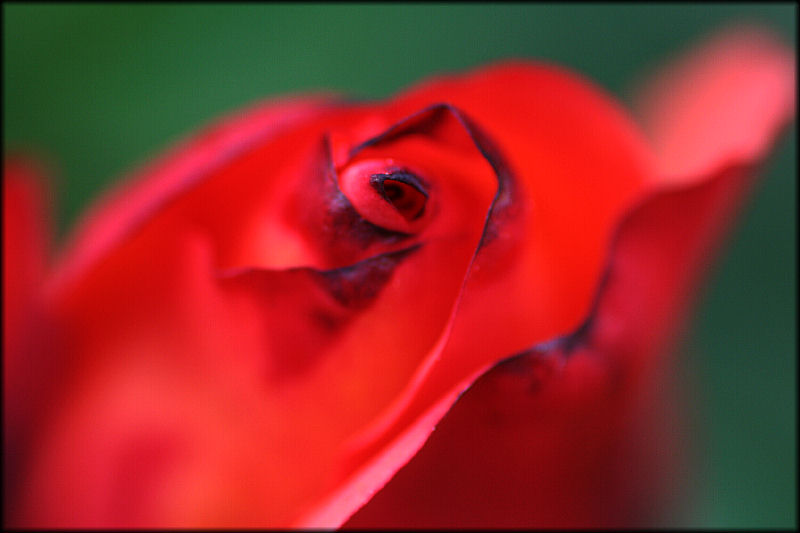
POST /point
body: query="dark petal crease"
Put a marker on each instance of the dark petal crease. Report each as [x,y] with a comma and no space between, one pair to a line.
[354,286]
[357,285]
[586,335]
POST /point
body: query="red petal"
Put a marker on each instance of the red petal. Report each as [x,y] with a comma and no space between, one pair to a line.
[26,247]
[26,239]
[121,211]
[720,104]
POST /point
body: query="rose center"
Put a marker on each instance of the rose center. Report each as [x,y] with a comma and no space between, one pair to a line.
[403,191]
[388,195]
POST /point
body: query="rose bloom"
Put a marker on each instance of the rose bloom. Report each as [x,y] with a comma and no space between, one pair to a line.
[451,308]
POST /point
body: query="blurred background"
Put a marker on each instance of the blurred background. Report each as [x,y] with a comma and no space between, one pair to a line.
[98,89]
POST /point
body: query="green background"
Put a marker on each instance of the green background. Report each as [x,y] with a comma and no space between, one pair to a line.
[99,89]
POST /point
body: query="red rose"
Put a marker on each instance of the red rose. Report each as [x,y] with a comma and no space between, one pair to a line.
[265,325]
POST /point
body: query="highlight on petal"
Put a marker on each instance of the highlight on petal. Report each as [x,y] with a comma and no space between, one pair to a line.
[720,103]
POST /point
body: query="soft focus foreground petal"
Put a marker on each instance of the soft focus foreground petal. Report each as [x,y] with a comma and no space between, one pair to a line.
[141,195]
[26,247]
[26,240]
[720,103]
[577,433]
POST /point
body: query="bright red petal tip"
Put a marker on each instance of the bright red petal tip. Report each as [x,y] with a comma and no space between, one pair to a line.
[719,104]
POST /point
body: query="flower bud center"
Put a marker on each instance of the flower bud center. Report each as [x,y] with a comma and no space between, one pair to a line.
[387,194]
[403,191]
